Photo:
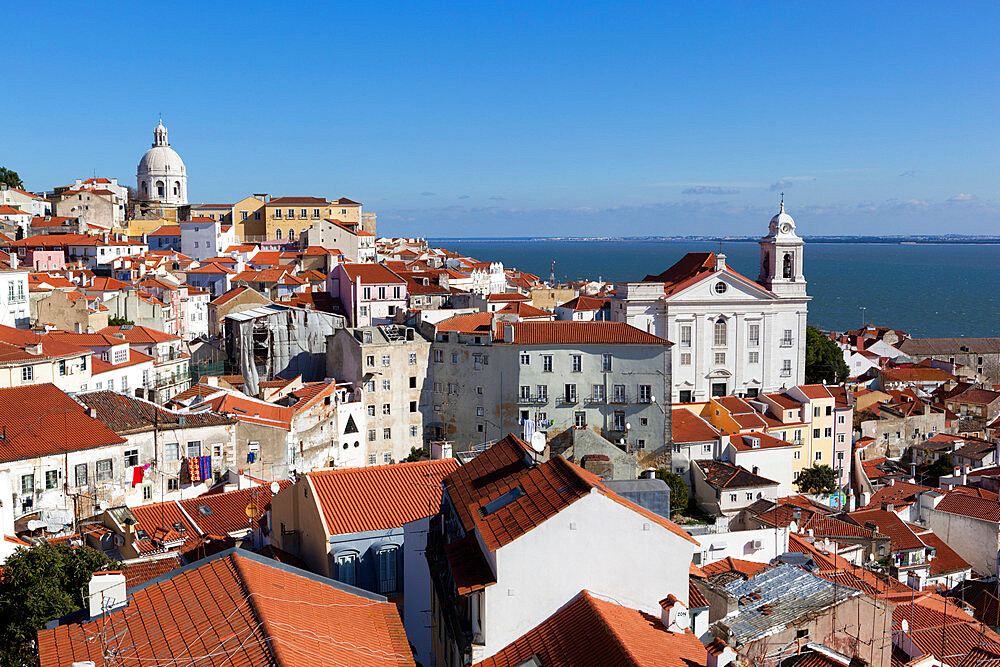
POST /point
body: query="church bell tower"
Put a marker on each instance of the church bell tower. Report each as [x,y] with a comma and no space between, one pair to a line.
[781,257]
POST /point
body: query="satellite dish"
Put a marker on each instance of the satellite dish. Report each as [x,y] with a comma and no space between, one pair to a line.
[905,625]
[628,426]
[653,399]
[275,487]
[103,504]
[538,442]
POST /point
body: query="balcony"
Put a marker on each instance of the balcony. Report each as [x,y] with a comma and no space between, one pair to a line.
[532,400]
[785,342]
[619,399]
[568,400]
[595,401]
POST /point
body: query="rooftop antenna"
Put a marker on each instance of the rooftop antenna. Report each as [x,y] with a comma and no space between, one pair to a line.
[552,274]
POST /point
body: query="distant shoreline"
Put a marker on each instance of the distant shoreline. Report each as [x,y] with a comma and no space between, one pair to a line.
[846,240]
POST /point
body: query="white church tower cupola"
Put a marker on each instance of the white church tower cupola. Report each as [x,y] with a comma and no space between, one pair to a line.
[781,257]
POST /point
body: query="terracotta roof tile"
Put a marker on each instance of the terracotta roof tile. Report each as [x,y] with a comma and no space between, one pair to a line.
[468,323]
[966,505]
[592,631]
[689,427]
[578,333]
[727,476]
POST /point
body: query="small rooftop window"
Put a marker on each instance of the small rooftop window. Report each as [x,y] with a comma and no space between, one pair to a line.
[205,510]
[501,502]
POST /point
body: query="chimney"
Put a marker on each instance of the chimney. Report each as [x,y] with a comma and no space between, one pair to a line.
[508,333]
[673,614]
[106,592]
[720,262]
[212,380]
[92,413]
[892,481]
[719,654]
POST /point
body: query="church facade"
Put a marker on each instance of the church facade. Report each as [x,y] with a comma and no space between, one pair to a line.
[731,335]
[161,180]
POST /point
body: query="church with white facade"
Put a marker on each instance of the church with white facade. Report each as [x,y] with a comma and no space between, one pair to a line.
[161,179]
[731,335]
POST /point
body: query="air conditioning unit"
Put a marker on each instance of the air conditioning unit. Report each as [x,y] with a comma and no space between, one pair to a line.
[758,544]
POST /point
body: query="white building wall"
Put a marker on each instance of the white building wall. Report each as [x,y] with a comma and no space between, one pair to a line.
[595,543]
[758,546]
[975,540]
[14,308]
[418,619]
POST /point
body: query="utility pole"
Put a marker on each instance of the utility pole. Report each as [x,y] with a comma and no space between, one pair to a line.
[864,320]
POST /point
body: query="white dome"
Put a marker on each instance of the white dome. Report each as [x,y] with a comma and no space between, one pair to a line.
[782,222]
[161,161]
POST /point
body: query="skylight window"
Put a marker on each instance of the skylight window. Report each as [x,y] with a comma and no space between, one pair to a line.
[205,510]
[501,502]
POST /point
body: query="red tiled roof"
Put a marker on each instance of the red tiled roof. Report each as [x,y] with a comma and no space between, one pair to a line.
[578,333]
[593,631]
[744,567]
[250,410]
[469,567]
[167,230]
[584,303]
[354,500]
[468,323]
[371,274]
[970,506]
[696,599]
[946,560]
[765,441]
[283,201]
[727,476]
[522,309]
[900,535]
[814,391]
[139,572]
[37,420]
[238,608]
[505,297]
[900,493]
[136,333]
[689,427]
[127,414]
[220,514]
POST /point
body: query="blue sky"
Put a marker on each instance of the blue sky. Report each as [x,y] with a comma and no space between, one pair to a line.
[550,119]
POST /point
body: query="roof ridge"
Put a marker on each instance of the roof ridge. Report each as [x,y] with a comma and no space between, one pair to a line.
[590,600]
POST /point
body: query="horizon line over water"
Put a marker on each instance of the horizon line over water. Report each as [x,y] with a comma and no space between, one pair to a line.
[925,289]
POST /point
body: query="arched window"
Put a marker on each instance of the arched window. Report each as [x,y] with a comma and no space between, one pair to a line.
[145,188]
[721,337]
[388,569]
[159,189]
[277,233]
[177,188]
[291,234]
[786,270]
[767,265]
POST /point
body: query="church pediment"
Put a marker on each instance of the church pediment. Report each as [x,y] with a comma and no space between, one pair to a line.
[722,286]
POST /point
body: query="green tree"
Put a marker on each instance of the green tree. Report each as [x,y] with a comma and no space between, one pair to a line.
[678,489]
[818,479]
[416,454]
[11,178]
[824,360]
[40,584]
[935,470]
[118,321]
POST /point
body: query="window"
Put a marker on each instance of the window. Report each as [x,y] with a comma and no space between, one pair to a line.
[732,497]
[381,292]
[786,367]
[597,393]
[387,560]
[685,358]
[27,484]
[438,356]
[256,215]
[645,393]
[243,215]
[721,336]
[542,392]
[753,357]
[684,396]
[827,432]
[815,432]
[371,435]
[131,458]
[371,410]
[51,479]
[386,457]
[577,363]
[173,483]
[315,213]
[840,437]
[277,233]
[606,362]
[413,382]
[80,474]
[685,335]
[347,565]
[570,394]
[816,411]
[525,392]
[386,433]
[797,455]
[786,338]
[720,358]
[291,214]
[385,359]
[386,409]
[396,293]
[619,420]
[414,431]
[829,410]
[619,393]
[105,470]
[753,334]
[413,358]
[367,293]
[546,363]
[580,419]
[386,384]
[454,357]
[750,495]
[721,287]
[525,359]
[27,373]
[147,492]
[370,360]
[480,412]
[819,456]
[479,390]
[194,448]
[62,368]
[840,419]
